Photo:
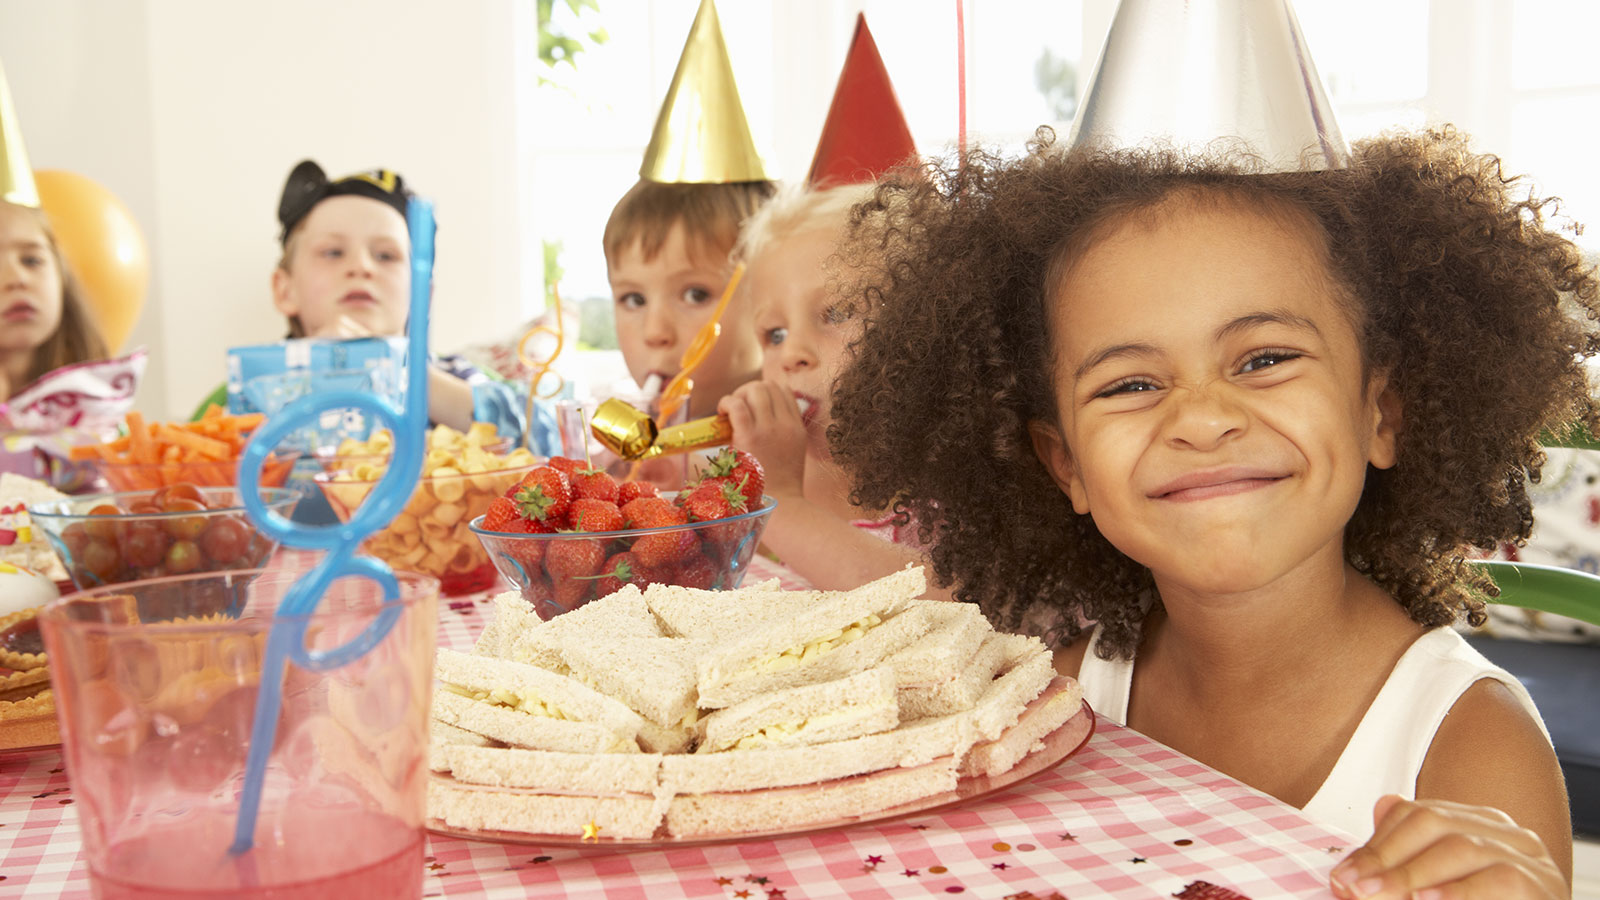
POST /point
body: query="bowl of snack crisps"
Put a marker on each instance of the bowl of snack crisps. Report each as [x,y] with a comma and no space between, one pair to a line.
[204,452]
[566,533]
[376,449]
[180,528]
[460,478]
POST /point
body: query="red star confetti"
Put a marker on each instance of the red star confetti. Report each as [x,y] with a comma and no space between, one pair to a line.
[741,894]
[1205,890]
[435,867]
[998,866]
[749,879]
[1066,836]
[724,881]
[874,860]
[774,893]
[910,873]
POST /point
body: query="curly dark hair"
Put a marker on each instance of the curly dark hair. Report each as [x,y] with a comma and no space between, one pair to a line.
[1468,296]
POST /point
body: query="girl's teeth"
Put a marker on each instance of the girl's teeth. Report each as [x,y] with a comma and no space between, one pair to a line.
[805,404]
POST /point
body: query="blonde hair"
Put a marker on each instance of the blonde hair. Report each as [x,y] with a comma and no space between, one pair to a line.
[76,338]
[794,210]
[711,215]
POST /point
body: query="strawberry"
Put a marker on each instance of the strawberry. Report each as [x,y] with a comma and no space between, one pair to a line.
[651,512]
[715,498]
[573,556]
[743,470]
[621,569]
[502,515]
[587,514]
[571,593]
[543,494]
[538,592]
[664,549]
[696,571]
[594,484]
[629,491]
[565,465]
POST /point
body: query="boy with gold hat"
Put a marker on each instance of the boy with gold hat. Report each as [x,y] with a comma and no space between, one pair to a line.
[668,239]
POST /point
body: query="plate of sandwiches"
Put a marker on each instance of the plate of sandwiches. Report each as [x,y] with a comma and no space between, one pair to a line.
[671,715]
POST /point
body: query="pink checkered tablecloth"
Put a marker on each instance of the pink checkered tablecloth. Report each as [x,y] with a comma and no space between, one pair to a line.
[1124,817]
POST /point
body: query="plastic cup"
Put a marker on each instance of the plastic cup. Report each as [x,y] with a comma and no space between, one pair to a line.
[155,685]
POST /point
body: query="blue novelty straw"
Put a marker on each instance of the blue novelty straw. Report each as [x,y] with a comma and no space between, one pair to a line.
[286,641]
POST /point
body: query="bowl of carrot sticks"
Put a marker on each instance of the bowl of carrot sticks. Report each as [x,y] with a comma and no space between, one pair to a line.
[204,452]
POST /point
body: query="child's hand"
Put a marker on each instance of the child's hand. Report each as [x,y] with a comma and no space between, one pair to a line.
[767,424]
[1435,849]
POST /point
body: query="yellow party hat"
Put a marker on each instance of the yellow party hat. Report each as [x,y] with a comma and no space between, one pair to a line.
[16,176]
[701,135]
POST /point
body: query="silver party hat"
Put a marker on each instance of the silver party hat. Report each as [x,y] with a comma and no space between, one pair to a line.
[1191,72]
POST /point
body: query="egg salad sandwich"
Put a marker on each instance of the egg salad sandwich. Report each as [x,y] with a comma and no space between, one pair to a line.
[833,635]
[525,706]
[863,703]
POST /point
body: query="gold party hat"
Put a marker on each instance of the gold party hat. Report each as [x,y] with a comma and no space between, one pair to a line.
[701,135]
[1195,72]
[16,176]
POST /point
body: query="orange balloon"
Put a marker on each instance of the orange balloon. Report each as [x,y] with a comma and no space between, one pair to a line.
[103,247]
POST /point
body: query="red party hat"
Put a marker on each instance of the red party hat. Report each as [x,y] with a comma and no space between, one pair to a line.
[865,133]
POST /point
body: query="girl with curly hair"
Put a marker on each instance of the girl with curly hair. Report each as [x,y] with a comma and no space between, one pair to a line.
[1247,424]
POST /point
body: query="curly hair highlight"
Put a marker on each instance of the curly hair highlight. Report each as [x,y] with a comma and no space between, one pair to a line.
[1464,292]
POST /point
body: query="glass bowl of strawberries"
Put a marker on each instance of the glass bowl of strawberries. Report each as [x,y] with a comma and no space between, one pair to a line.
[566,533]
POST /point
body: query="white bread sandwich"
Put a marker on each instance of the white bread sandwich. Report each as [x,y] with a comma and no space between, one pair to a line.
[487,810]
[846,799]
[719,616]
[863,703]
[837,634]
[1061,699]
[525,706]
[441,737]
[654,676]
[621,615]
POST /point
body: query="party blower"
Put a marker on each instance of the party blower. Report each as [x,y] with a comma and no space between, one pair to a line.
[287,638]
[633,435]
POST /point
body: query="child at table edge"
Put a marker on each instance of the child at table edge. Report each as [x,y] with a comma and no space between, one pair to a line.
[1446,292]
[804,330]
[58,330]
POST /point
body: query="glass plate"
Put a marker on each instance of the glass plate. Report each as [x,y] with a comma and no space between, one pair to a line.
[1059,744]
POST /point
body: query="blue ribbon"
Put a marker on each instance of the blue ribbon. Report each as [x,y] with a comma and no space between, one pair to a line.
[286,641]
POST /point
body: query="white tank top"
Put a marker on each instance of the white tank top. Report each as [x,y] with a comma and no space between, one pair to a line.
[1386,751]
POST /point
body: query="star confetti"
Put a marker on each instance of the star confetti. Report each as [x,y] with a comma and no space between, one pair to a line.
[874,860]
[591,831]
[910,873]
[1066,836]
[541,859]
[1205,890]
[724,881]
[774,893]
[999,865]
[920,827]
[435,867]
[1334,849]
[1137,859]
[741,894]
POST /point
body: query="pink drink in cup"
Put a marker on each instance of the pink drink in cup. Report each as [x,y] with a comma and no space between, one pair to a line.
[155,684]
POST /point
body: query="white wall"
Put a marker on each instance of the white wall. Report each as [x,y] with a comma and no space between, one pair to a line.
[193,112]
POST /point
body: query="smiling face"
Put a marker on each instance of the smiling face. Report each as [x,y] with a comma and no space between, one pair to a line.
[661,305]
[30,281]
[349,258]
[804,332]
[1210,391]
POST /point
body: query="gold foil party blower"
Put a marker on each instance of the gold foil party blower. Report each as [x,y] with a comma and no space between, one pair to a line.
[632,435]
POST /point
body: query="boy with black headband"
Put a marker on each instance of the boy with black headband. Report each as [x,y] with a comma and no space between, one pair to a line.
[346,273]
